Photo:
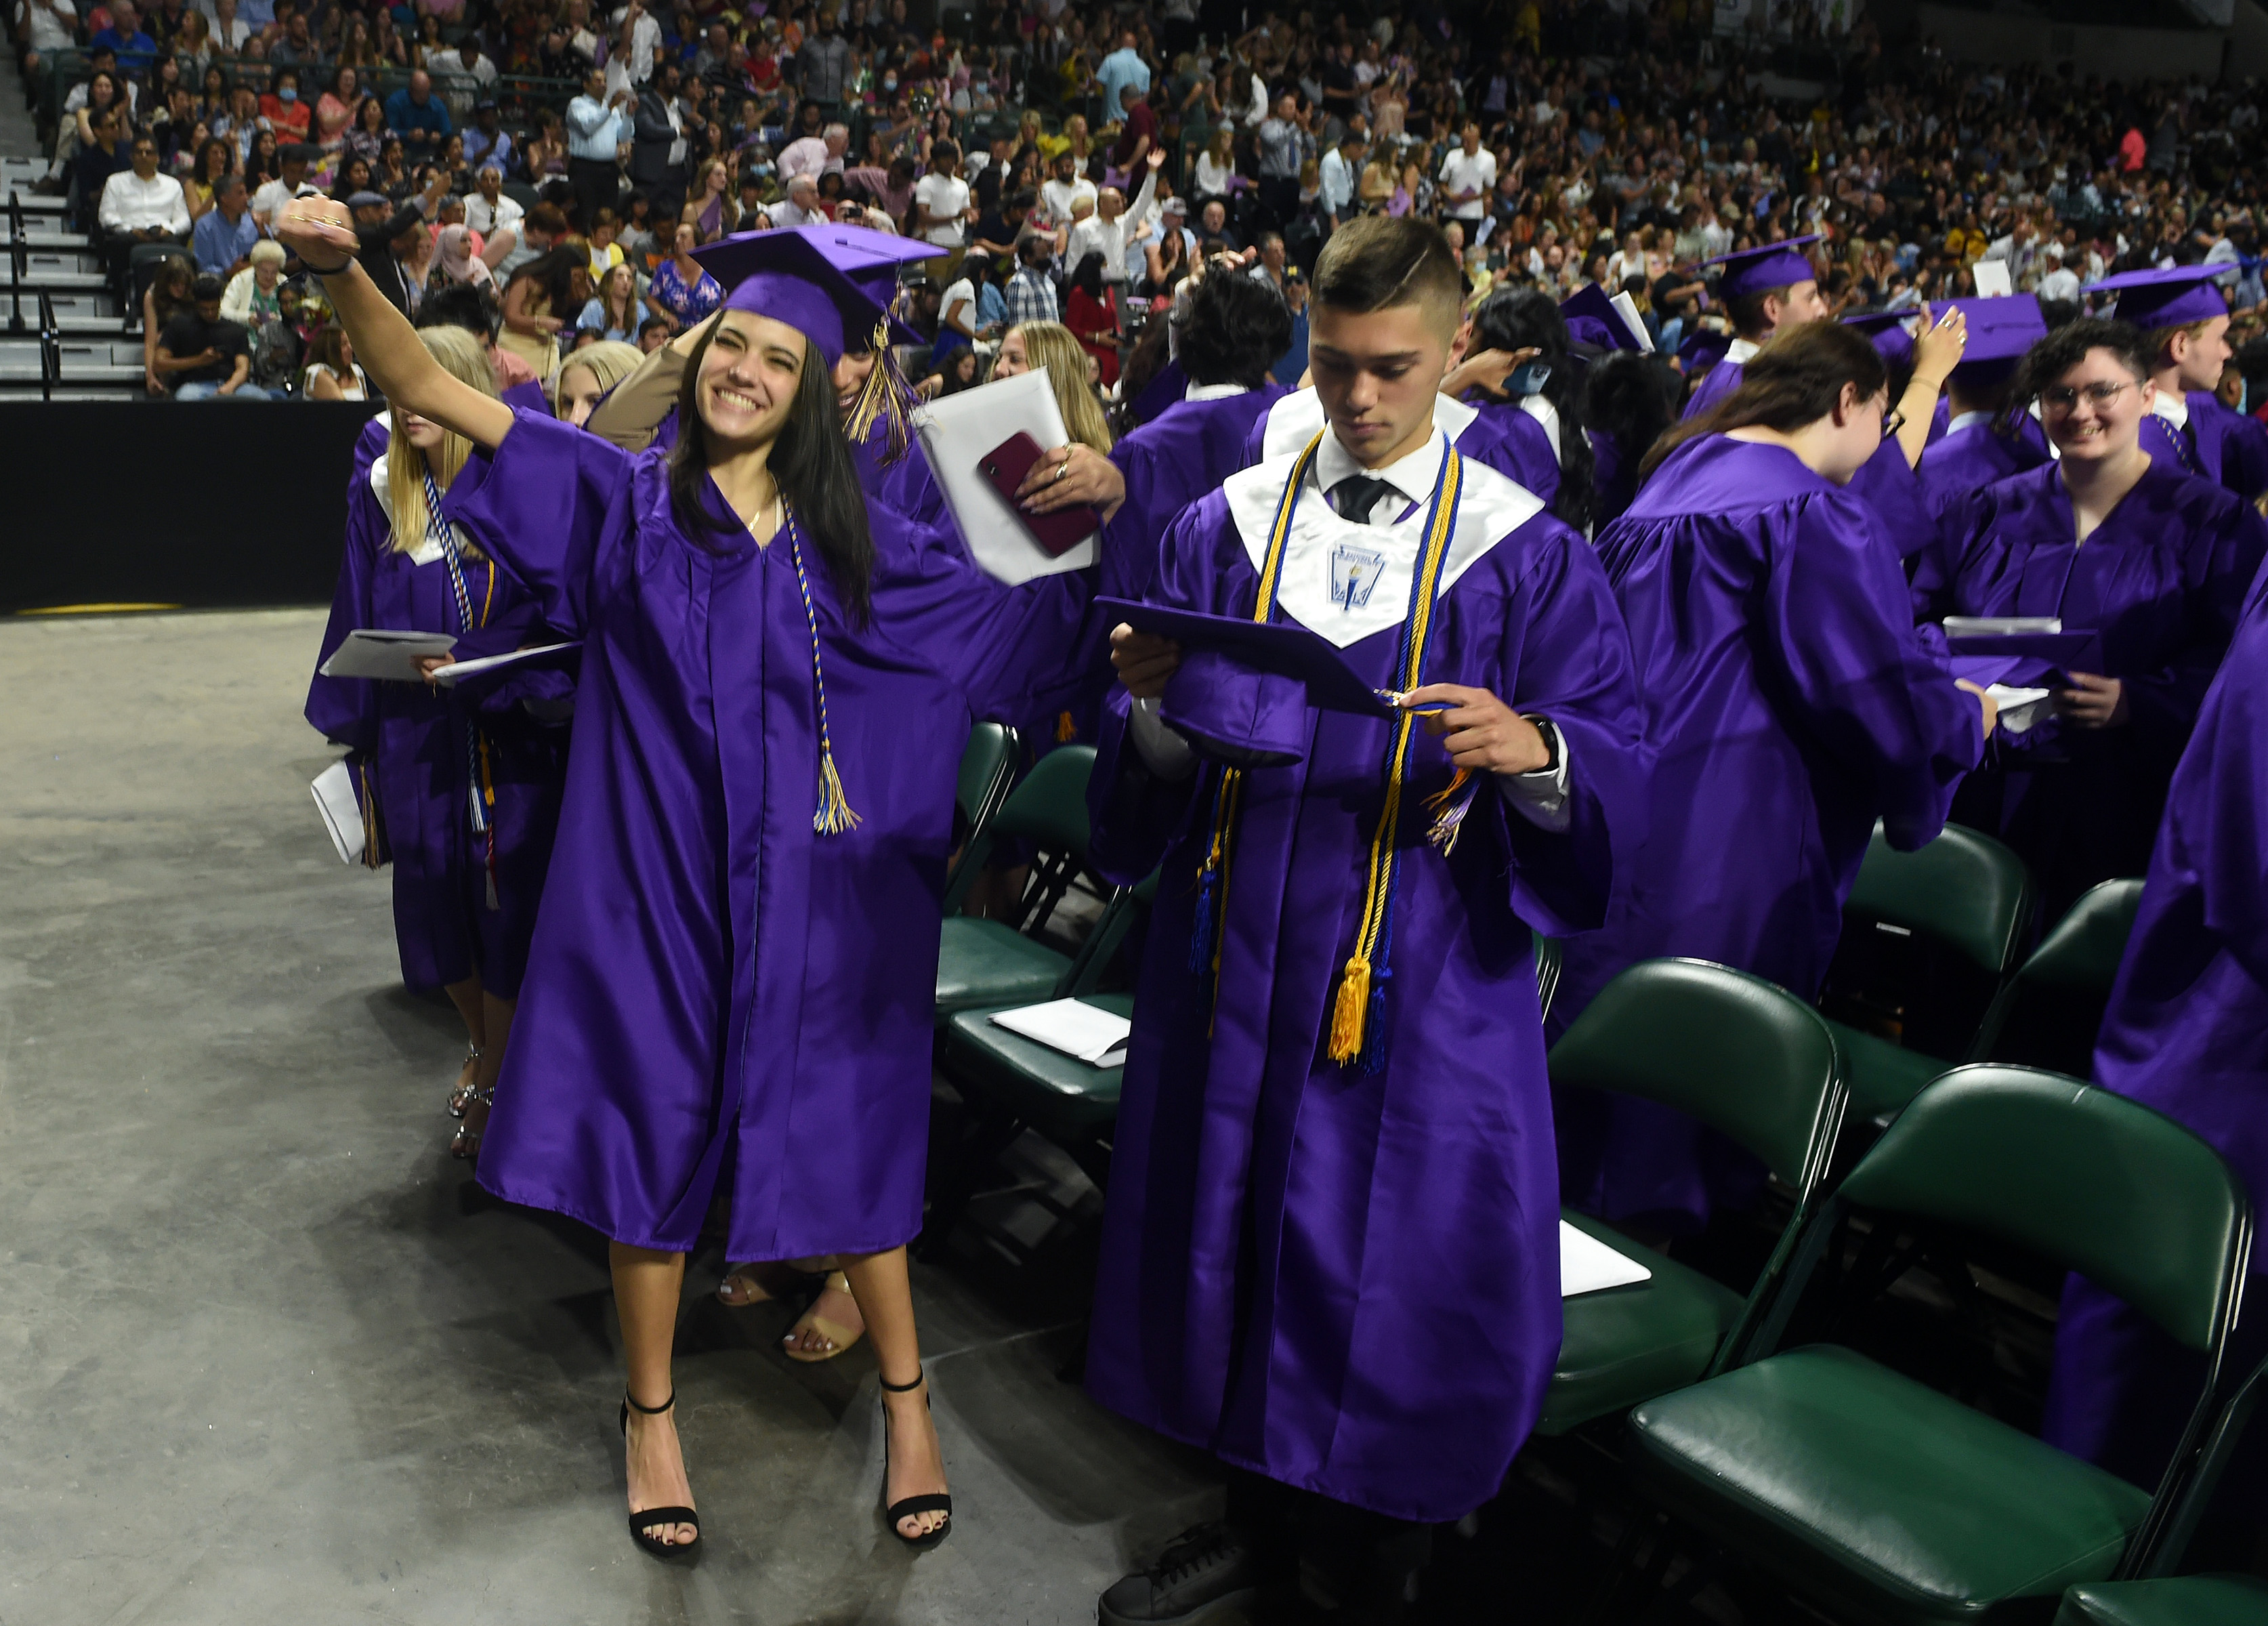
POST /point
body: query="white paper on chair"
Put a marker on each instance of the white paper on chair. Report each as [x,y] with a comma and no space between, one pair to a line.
[957,432]
[2020,707]
[1587,1265]
[1992,279]
[379,652]
[342,810]
[448,676]
[1079,1030]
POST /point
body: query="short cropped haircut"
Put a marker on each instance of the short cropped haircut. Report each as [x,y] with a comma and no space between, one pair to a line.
[2068,346]
[1380,261]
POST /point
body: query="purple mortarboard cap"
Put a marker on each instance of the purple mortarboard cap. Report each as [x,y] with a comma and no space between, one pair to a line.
[1233,713]
[1888,330]
[1592,319]
[792,276]
[873,260]
[1244,687]
[1703,349]
[1774,265]
[2171,298]
[2000,329]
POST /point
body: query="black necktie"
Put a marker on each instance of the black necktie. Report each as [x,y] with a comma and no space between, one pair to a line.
[1356,494]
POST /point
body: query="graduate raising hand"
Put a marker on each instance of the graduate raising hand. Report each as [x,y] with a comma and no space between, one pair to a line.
[776,684]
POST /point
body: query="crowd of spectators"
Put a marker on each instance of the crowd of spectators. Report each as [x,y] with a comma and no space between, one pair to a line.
[1076,167]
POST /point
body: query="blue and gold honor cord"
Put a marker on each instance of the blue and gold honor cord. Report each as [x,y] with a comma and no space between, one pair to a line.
[1358,1012]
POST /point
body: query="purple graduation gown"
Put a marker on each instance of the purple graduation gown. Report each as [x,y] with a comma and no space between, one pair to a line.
[2186,1033]
[1892,491]
[715,991]
[2228,448]
[1963,462]
[1790,703]
[1168,463]
[1719,381]
[411,748]
[1347,1280]
[1527,442]
[2163,579]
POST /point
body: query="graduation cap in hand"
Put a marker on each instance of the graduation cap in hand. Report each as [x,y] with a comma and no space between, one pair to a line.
[2173,296]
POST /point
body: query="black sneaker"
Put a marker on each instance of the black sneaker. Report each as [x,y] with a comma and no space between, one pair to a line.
[1205,1571]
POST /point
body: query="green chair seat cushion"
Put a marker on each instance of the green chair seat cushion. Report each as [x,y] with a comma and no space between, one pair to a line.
[1884,1076]
[2187,1600]
[984,963]
[1886,1501]
[1057,1094]
[1627,1344]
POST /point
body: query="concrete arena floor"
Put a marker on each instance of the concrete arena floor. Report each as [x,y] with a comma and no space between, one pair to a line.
[266,1357]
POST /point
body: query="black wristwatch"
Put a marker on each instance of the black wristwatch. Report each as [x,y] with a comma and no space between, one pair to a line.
[1551,732]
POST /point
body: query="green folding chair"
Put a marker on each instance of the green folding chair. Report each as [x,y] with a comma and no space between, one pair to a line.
[2052,1010]
[2185,1600]
[990,963]
[1008,1084]
[1884,1503]
[1965,903]
[1746,1058]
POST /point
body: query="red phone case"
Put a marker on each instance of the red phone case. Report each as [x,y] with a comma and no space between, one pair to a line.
[1005,466]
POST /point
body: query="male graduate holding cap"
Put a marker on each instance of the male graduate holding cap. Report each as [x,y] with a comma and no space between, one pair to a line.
[2183,313]
[1330,1253]
[1763,290]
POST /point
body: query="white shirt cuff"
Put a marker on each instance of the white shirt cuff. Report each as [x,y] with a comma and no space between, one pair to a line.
[1167,754]
[1541,797]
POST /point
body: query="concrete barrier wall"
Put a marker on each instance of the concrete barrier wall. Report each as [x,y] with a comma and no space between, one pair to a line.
[211,505]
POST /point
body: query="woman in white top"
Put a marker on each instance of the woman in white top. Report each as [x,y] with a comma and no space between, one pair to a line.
[249,299]
[332,374]
[1216,164]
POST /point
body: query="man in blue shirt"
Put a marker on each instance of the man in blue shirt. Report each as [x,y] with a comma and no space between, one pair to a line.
[418,116]
[1123,67]
[597,125]
[136,50]
[488,141]
[225,233]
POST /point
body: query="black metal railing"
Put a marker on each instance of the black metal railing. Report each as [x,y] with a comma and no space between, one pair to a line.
[19,260]
[51,347]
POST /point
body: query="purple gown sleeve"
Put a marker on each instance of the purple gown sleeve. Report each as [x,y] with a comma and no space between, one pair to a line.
[345,709]
[1857,680]
[552,504]
[1571,663]
[1013,651]
[2224,826]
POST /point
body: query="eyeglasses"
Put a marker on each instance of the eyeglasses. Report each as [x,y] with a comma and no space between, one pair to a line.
[2064,397]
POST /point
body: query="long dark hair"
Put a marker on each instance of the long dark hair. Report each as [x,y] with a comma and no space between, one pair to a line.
[1513,319]
[1796,380]
[1626,399]
[812,463]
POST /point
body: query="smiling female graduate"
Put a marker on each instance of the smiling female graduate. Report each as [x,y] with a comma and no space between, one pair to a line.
[725,986]
[1329,1252]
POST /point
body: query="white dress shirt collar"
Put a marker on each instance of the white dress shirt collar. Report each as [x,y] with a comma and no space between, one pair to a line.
[1213,392]
[1412,476]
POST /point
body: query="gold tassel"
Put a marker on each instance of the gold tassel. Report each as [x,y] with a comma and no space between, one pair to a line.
[1066,729]
[834,816]
[1349,1014]
[883,399]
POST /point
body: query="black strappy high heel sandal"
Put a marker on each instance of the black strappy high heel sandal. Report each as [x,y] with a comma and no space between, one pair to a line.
[647,1520]
[931,1501]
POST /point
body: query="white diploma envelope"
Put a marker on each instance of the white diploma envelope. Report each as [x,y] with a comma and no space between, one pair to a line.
[956,432]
